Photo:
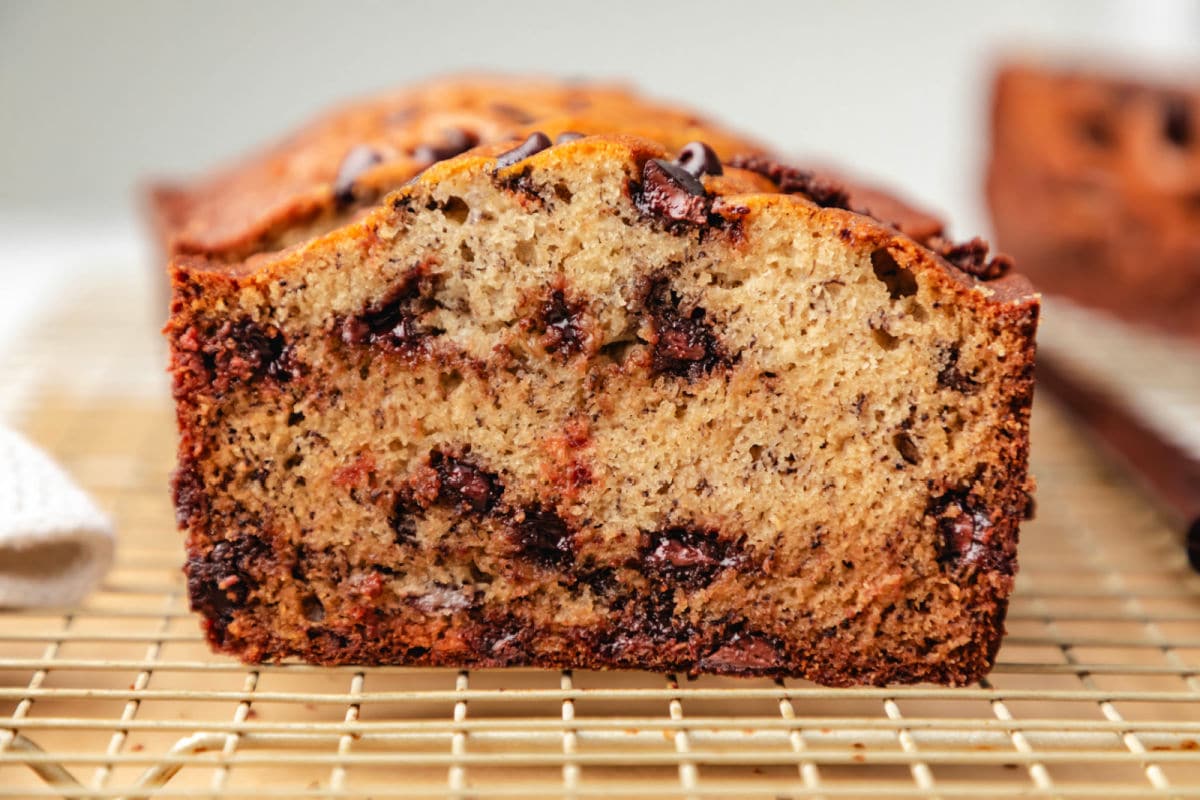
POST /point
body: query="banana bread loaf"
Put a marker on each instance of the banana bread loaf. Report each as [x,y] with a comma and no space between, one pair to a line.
[503,373]
[1094,185]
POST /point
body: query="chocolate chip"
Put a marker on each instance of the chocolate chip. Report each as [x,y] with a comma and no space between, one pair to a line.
[455,142]
[968,537]
[391,322]
[221,580]
[743,653]
[699,159]
[964,535]
[394,321]
[1177,122]
[972,257]
[355,163]
[678,176]
[907,447]
[685,556]
[241,352]
[561,320]
[536,142]
[671,192]
[568,136]
[540,535]
[685,344]
[790,180]
[465,485]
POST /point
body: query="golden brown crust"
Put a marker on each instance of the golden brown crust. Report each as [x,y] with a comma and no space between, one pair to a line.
[233,213]
[249,207]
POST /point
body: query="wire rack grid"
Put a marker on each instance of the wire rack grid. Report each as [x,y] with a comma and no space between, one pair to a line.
[1096,692]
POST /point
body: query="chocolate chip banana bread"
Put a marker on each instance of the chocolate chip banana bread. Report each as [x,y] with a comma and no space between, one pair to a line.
[608,388]
[1094,186]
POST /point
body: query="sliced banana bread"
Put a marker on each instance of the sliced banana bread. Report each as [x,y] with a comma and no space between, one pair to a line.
[592,401]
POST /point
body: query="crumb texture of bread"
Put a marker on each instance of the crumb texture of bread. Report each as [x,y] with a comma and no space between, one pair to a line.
[1094,187]
[586,406]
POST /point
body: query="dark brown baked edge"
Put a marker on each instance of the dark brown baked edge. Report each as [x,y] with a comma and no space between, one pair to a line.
[637,643]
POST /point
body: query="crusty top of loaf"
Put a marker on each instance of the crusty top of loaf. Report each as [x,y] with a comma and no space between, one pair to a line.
[293,179]
[229,219]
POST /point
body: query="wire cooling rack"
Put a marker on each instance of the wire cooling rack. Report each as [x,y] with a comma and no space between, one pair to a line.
[1096,693]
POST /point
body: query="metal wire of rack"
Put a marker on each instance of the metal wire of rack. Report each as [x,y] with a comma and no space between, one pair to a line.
[1096,693]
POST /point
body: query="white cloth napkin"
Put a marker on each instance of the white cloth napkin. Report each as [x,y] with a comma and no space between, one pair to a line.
[55,545]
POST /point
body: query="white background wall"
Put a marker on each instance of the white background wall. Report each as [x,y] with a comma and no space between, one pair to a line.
[96,95]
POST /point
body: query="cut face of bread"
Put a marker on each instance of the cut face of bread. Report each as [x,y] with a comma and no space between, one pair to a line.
[577,407]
